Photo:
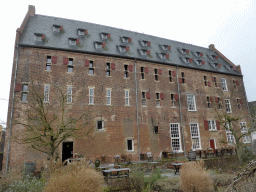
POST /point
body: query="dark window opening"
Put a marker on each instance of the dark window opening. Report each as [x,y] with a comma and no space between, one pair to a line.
[126,74]
[156,129]
[205,81]
[170,76]
[48,63]
[130,145]
[67,150]
[100,124]
[156,74]
[70,65]
[142,73]
[91,68]
[108,69]
[172,99]
[183,77]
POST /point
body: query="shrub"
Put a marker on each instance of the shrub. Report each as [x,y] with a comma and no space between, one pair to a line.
[75,178]
[137,179]
[168,185]
[223,179]
[194,178]
[152,179]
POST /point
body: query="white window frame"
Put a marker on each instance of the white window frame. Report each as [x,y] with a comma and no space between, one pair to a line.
[104,36]
[126,95]
[244,129]
[46,93]
[91,95]
[212,125]
[175,137]
[108,96]
[229,134]
[196,136]
[24,96]
[191,100]
[69,94]
[81,32]
[224,84]
[130,150]
[228,106]
[72,42]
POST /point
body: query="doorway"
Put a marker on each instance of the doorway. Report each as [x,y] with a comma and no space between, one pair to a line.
[212,143]
[67,150]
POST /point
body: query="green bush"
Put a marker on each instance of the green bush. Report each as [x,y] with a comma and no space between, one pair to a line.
[223,179]
[168,185]
[152,179]
[27,184]
[137,180]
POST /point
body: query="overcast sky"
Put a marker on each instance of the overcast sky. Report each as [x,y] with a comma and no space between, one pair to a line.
[228,24]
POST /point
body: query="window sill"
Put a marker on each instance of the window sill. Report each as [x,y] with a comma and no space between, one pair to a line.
[173,107]
[143,106]
[24,102]
[192,110]
[70,72]
[126,78]
[69,103]
[130,150]
[101,130]
[48,71]
[91,74]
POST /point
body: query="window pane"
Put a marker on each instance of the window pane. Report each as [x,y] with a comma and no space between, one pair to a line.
[24,97]
[91,71]
[25,88]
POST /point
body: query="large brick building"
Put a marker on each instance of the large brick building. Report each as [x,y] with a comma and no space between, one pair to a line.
[158,95]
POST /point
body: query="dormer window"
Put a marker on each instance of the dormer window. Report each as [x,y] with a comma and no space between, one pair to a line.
[126,39]
[163,55]
[73,42]
[214,57]
[199,54]
[99,45]
[145,43]
[39,37]
[165,47]
[184,51]
[82,32]
[198,62]
[57,28]
[143,51]
[123,49]
[105,36]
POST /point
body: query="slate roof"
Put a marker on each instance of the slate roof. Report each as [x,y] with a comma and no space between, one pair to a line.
[39,24]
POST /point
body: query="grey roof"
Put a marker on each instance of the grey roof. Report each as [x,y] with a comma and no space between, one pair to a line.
[40,24]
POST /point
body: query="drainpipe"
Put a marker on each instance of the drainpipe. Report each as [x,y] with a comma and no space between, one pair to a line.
[137,111]
[182,131]
[9,135]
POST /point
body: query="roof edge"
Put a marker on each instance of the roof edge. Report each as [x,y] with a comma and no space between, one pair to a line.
[212,47]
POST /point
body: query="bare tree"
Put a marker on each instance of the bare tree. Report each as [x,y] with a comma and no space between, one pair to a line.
[48,124]
[238,132]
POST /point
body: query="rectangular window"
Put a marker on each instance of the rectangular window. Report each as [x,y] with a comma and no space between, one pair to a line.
[224,84]
[175,137]
[191,102]
[46,93]
[143,98]
[158,99]
[208,102]
[156,74]
[173,100]
[130,146]
[126,74]
[100,125]
[108,69]
[70,65]
[244,130]
[215,82]
[238,103]
[142,69]
[48,63]
[218,102]
[230,136]
[108,96]
[182,77]
[91,95]
[155,129]
[69,95]
[195,136]
[170,76]
[212,125]
[205,81]
[91,68]
[127,97]
[24,96]
[235,85]
[228,106]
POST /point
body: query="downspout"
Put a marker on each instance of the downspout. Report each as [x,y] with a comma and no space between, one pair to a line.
[9,135]
[137,112]
[181,126]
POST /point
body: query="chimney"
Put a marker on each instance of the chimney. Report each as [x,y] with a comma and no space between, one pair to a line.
[31,10]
